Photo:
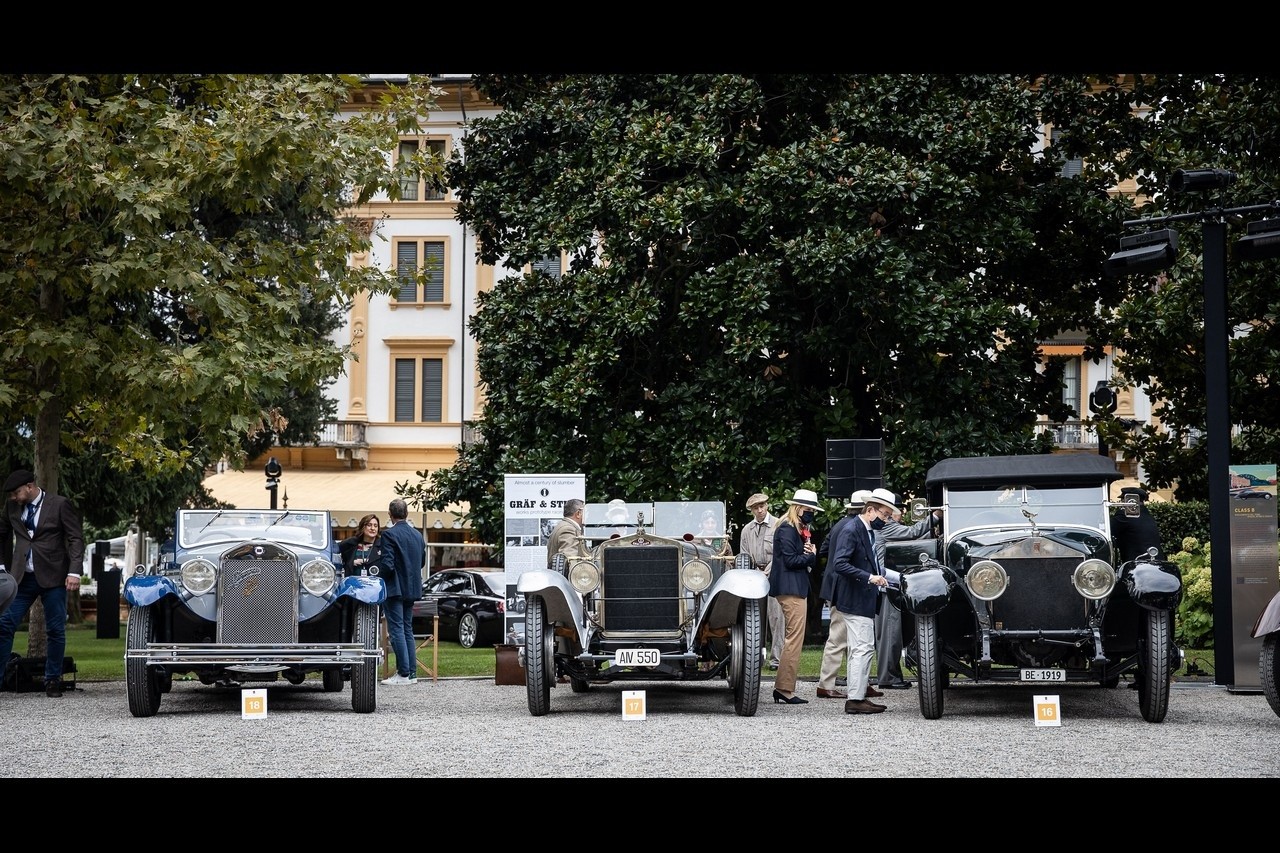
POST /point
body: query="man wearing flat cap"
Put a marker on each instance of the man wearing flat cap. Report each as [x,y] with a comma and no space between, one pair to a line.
[756,540]
[42,549]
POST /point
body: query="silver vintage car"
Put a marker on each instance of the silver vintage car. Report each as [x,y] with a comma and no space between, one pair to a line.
[652,597]
[244,596]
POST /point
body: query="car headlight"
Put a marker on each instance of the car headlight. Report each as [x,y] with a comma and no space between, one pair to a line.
[1094,579]
[584,576]
[987,580]
[695,575]
[319,576]
[199,576]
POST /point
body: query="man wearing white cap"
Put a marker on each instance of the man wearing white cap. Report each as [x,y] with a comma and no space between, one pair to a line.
[756,540]
[857,595]
[889,618]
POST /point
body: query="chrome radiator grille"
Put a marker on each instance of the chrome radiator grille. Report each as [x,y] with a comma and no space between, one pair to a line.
[258,596]
[641,589]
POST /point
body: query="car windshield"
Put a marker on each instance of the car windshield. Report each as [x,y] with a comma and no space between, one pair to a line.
[665,518]
[201,527]
[1018,504]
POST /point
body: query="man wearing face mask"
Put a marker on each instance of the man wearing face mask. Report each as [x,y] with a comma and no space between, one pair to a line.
[889,618]
[859,581]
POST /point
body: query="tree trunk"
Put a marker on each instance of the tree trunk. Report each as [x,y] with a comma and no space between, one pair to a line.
[37,637]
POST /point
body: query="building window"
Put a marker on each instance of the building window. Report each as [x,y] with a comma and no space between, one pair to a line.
[418,369]
[425,188]
[1070,168]
[421,268]
[1071,384]
[548,265]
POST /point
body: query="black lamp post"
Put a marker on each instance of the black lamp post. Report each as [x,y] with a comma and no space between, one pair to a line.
[1143,254]
[273,471]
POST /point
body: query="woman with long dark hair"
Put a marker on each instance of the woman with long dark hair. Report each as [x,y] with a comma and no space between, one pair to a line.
[363,549]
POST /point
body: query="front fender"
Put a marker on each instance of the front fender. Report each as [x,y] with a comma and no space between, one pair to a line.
[1269,619]
[1153,584]
[564,604]
[145,590]
[366,590]
[725,597]
[925,591]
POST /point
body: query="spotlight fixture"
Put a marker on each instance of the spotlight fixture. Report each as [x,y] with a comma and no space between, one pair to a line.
[1196,180]
[1150,252]
[1261,241]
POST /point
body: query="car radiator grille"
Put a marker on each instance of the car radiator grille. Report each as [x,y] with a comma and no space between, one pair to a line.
[641,589]
[1040,596]
[258,598]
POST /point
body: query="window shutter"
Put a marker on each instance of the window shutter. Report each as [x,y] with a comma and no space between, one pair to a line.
[1070,168]
[406,271]
[432,389]
[433,265]
[404,390]
[547,264]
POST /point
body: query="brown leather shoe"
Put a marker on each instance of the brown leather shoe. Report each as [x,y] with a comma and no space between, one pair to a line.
[872,693]
[823,693]
[862,706]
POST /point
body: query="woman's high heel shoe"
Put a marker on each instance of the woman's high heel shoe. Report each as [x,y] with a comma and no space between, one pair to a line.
[779,699]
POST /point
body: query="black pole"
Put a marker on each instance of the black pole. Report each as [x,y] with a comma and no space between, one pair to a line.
[1218,437]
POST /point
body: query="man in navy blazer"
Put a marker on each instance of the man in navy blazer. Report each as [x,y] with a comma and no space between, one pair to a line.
[42,549]
[404,554]
[856,596]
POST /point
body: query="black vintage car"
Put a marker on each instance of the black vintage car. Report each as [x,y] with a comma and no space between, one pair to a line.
[245,596]
[1024,586]
[649,598]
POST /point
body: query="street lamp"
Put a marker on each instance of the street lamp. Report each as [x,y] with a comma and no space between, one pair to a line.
[1262,241]
[273,471]
[1150,252]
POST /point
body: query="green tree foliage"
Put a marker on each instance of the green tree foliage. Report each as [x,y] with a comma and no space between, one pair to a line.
[758,263]
[171,248]
[1222,121]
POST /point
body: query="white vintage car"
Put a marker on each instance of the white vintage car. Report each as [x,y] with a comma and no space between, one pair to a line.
[646,599]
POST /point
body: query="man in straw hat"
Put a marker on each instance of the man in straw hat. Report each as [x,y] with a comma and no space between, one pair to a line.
[836,648]
[857,595]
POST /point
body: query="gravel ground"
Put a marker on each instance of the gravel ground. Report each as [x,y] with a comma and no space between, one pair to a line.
[431,730]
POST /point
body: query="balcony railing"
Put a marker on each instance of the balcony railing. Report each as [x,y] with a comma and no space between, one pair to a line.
[1070,435]
[342,434]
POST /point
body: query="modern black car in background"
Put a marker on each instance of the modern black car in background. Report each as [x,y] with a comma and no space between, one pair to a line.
[471,603]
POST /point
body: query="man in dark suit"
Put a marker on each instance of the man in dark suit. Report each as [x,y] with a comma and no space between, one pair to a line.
[43,550]
[404,554]
[857,596]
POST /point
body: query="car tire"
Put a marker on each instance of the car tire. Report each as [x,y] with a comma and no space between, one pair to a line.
[539,657]
[364,675]
[142,682]
[1155,667]
[165,681]
[332,680]
[1269,669]
[929,667]
[468,630]
[746,657]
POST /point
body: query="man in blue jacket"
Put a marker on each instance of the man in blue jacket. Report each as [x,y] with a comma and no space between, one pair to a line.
[404,554]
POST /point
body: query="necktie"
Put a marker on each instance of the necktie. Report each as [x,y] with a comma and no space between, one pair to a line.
[30,520]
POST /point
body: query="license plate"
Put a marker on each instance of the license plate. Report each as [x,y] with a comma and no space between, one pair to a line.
[1044,675]
[637,657]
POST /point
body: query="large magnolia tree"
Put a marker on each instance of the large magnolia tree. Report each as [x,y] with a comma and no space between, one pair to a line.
[758,263]
[161,236]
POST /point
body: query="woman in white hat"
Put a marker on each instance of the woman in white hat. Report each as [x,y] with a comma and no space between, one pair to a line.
[794,556]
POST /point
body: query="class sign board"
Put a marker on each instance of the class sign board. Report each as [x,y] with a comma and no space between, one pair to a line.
[1048,711]
[253,704]
[633,704]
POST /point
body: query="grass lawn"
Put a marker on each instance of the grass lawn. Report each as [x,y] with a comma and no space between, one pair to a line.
[103,659]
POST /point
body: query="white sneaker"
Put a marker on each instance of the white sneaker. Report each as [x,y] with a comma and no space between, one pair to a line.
[399,679]
[413,679]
